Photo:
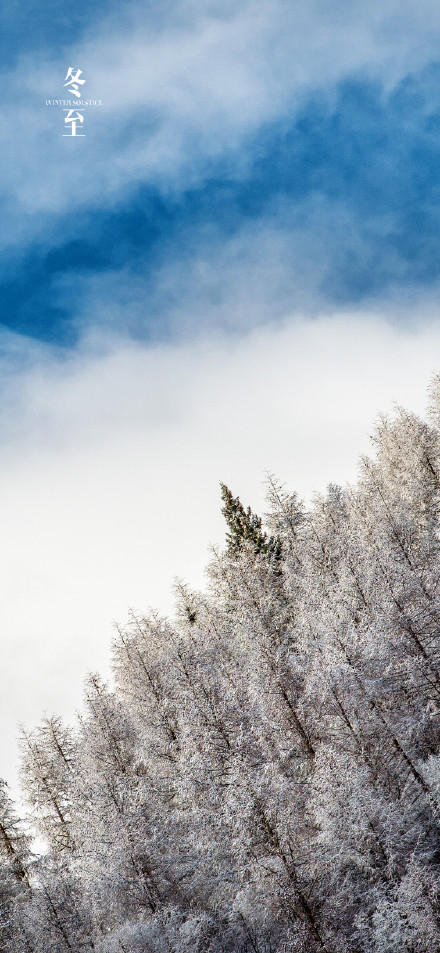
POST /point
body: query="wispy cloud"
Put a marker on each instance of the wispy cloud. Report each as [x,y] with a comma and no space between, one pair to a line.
[337,189]
[182,91]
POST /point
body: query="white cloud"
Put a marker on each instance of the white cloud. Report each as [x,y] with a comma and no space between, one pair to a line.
[110,465]
[297,258]
[186,90]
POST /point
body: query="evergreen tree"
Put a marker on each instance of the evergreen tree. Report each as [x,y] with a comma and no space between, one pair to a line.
[246,527]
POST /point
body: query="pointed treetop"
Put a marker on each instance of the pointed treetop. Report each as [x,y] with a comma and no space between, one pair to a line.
[246,527]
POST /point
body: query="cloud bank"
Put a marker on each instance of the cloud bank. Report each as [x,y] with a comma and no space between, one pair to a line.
[109,477]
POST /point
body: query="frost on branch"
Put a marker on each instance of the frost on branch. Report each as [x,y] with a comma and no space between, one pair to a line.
[263,774]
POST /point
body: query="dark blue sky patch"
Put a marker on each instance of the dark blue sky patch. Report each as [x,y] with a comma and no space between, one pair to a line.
[50,28]
[30,28]
[76,255]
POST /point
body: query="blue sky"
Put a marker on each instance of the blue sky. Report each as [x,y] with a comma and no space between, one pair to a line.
[316,125]
[232,271]
[362,165]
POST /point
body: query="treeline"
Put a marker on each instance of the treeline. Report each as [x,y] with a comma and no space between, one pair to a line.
[264,776]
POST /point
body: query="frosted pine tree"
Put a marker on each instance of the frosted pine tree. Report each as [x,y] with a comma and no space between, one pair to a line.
[263,775]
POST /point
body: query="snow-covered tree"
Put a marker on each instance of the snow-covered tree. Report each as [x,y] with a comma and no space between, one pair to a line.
[263,775]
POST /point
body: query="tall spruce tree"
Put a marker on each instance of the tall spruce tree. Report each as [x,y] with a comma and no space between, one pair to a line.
[246,527]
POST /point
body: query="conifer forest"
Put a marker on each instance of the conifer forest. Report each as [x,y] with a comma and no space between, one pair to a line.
[263,773]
